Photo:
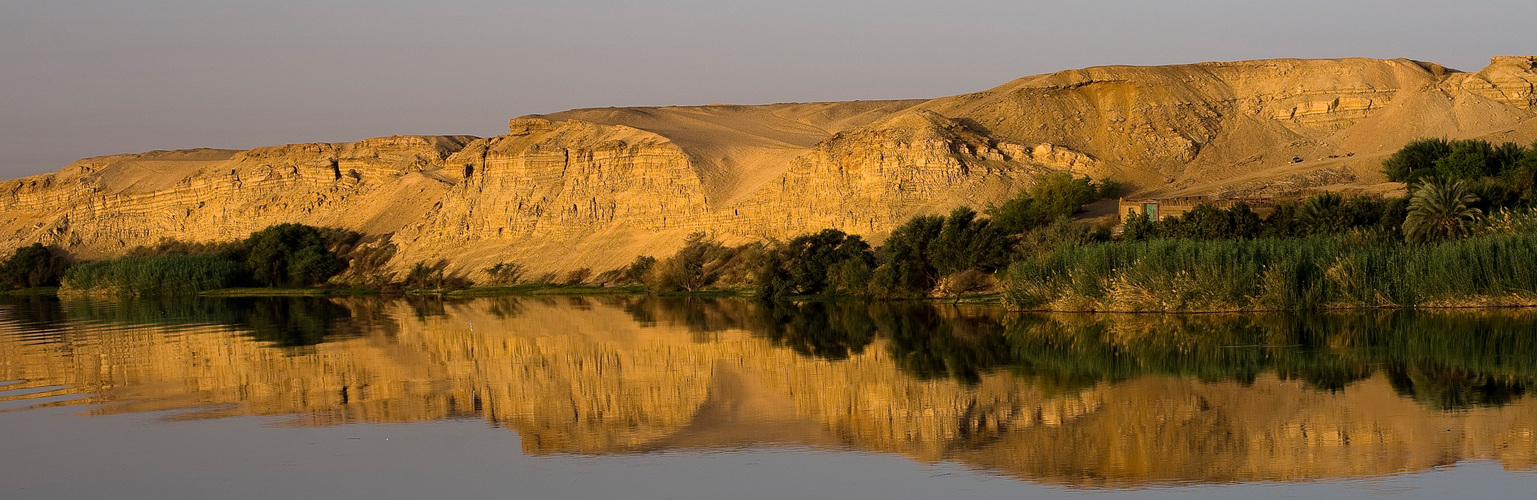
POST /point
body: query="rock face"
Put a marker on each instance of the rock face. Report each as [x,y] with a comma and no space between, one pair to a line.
[596,187]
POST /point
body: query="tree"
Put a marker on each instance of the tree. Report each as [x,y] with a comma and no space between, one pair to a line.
[1063,232]
[967,242]
[817,263]
[906,267]
[290,255]
[1324,214]
[1246,223]
[1439,211]
[1059,193]
[695,266]
[1052,195]
[1468,160]
[1415,159]
[1138,227]
[1205,221]
[635,273]
[32,266]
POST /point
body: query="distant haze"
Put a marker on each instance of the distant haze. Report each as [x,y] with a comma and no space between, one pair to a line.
[87,78]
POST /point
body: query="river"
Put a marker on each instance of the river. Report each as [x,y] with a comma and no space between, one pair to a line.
[645,397]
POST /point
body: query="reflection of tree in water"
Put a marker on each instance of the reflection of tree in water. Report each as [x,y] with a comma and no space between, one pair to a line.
[1446,361]
[293,321]
[828,330]
[932,341]
[426,306]
[283,321]
[1442,360]
[504,307]
[1446,388]
[37,313]
[701,316]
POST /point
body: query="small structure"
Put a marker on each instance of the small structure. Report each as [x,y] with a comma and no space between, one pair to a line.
[1158,208]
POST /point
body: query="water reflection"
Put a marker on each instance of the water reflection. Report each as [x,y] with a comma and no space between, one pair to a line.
[1113,400]
[281,321]
[1446,361]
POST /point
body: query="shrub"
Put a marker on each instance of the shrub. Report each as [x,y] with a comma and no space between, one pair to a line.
[1415,159]
[577,276]
[967,281]
[505,273]
[635,273]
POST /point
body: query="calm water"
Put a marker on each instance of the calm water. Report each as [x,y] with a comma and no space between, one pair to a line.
[649,398]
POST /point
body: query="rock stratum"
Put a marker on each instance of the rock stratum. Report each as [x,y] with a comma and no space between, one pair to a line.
[596,187]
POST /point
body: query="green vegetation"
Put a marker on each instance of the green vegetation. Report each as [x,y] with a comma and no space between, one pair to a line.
[290,255]
[816,264]
[1433,247]
[953,255]
[283,256]
[33,266]
[1440,212]
[161,275]
[1276,274]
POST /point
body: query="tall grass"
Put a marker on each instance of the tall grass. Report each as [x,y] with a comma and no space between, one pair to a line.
[1276,274]
[158,275]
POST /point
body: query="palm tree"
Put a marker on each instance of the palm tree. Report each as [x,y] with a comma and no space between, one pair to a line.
[1440,212]
[1324,214]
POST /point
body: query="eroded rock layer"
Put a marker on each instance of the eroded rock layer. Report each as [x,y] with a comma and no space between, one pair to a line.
[596,187]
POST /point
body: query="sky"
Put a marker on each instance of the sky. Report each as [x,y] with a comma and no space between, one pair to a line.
[82,78]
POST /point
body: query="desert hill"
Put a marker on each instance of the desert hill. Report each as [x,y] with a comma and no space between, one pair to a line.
[596,187]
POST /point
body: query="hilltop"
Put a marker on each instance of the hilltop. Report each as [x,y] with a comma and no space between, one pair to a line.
[596,187]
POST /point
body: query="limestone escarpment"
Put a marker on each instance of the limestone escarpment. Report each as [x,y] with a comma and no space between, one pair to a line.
[103,206]
[596,187]
[1510,80]
[871,179]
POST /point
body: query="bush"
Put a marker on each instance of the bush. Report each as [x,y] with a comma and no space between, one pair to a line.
[505,273]
[635,273]
[1415,159]
[968,281]
[577,276]
[1052,195]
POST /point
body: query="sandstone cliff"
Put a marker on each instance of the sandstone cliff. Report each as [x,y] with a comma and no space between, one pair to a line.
[596,187]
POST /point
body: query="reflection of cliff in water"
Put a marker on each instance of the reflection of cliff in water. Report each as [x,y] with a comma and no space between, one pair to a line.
[1116,400]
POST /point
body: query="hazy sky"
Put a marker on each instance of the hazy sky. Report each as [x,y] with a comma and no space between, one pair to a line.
[85,78]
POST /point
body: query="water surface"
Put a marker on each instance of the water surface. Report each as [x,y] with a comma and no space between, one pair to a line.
[648,397]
